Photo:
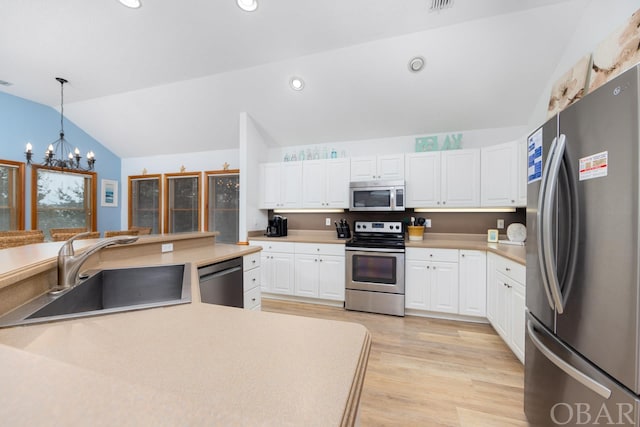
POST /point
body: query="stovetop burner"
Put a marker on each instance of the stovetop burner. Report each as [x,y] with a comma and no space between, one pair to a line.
[380,234]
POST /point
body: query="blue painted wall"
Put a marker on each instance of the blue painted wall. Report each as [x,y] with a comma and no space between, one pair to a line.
[23,121]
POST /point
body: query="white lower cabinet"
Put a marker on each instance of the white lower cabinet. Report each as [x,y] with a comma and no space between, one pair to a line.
[277,267]
[251,281]
[473,283]
[307,270]
[506,301]
[431,279]
[319,271]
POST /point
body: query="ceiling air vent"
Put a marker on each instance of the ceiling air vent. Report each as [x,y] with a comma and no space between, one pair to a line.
[5,83]
[441,4]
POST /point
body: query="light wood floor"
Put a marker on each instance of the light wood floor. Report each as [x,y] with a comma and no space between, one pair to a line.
[430,372]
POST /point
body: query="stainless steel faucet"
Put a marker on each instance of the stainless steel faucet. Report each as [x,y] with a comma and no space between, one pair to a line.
[69,263]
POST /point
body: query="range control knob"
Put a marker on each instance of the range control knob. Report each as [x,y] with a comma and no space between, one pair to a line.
[364,226]
[397,227]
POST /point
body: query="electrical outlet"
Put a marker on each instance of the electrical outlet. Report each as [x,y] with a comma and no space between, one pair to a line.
[327,221]
[427,223]
[500,223]
[167,247]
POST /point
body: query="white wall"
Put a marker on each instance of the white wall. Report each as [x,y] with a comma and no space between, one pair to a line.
[254,144]
[403,144]
[193,162]
[597,21]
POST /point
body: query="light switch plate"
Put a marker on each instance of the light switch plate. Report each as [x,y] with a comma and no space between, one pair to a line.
[327,221]
[427,223]
[167,247]
[500,223]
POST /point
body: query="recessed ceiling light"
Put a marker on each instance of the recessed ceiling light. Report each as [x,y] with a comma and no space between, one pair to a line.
[416,64]
[133,4]
[296,83]
[247,5]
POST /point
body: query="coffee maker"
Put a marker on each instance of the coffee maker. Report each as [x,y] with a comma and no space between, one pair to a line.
[277,226]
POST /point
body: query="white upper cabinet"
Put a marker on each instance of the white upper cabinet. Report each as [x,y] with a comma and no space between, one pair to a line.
[371,168]
[500,175]
[460,178]
[422,179]
[443,179]
[325,183]
[281,185]
[504,175]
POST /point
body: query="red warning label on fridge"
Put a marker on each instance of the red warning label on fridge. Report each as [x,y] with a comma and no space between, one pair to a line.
[594,166]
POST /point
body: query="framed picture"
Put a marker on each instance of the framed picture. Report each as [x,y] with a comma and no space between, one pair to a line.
[109,193]
[492,235]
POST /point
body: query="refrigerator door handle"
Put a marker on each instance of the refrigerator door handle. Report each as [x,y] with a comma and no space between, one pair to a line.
[574,373]
[547,232]
[539,223]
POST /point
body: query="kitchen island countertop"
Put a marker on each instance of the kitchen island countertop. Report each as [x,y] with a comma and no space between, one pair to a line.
[183,365]
[191,364]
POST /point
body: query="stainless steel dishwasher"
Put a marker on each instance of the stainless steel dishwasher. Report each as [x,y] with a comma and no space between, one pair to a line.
[221,283]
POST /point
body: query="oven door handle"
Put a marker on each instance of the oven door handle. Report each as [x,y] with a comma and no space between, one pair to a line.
[384,250]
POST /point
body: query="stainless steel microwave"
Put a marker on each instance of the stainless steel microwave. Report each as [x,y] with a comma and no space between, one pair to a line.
[376,196]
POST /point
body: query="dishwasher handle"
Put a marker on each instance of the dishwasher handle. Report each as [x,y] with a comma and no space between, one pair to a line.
[224,266]
[219,273]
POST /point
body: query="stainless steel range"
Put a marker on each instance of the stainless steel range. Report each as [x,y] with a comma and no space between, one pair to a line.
[375,268]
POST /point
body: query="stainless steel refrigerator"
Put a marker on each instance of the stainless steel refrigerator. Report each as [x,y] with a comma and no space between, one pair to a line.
[582,350]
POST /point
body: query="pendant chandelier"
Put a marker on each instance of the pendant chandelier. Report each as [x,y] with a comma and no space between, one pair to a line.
[59,153]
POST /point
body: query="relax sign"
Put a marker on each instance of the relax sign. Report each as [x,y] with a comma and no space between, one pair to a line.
[435,143]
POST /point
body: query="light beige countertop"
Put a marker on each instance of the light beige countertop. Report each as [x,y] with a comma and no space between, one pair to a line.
[304,236]
[430,240]
[192,364]
[477,242]
[17,263]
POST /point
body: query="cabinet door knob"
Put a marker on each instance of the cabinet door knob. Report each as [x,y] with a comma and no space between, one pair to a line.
[462,255]
[253,299]
[253,280]
[507,268]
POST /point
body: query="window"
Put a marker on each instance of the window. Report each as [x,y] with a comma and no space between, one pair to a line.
[11,195]
[62,199]
[182,202]
[144,202]
[222,189]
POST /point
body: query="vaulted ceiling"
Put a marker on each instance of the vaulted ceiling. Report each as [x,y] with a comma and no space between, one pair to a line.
[172,76]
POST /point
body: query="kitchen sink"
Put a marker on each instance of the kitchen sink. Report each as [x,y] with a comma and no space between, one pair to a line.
[109,291]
